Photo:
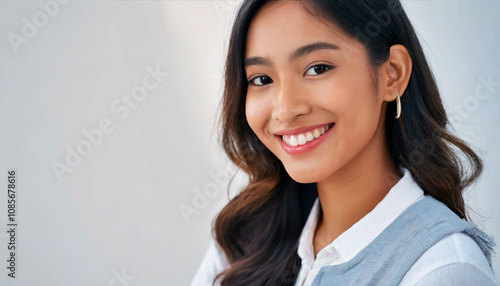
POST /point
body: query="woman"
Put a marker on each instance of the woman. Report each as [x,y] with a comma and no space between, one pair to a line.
[331,109]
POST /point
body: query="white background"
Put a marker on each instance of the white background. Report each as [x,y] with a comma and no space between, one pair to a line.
[118,212]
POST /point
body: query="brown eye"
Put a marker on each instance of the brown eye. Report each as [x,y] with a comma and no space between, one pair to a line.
[318,69]
[260,80]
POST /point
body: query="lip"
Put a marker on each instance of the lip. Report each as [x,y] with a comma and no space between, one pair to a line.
[300,130]
[300,149]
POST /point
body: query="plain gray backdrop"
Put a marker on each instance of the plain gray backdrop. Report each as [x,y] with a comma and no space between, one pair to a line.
[115,213]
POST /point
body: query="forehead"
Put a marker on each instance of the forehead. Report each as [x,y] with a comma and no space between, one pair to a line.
[280,26]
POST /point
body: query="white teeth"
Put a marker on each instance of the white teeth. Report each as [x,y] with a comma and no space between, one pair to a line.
[316,133]
[302,139]
[309,136]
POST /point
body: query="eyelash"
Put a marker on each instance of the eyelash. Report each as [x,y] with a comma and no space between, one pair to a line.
[328,67]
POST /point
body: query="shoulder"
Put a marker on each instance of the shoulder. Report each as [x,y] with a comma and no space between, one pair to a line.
[456,258]
[214,261]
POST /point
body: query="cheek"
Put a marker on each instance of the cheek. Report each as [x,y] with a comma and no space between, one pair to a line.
[257,114]
[353,99]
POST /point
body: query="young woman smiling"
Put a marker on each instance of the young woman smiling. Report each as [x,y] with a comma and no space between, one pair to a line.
[331,109]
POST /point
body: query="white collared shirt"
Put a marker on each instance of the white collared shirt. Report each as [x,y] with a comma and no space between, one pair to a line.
[456,253]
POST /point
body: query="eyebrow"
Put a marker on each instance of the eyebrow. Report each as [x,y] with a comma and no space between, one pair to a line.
[300,52]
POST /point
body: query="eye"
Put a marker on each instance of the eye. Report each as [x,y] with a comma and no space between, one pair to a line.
[319,69]
[260,80]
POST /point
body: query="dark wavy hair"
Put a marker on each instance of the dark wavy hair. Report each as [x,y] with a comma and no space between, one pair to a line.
[259,228]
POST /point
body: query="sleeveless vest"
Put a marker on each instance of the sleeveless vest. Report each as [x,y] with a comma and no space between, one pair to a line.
[387,259]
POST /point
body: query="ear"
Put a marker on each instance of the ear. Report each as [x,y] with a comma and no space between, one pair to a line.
[396,72]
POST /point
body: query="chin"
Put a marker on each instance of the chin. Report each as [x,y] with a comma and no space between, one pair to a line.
[304,177]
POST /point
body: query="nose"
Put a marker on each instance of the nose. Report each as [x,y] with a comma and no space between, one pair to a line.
[290,102]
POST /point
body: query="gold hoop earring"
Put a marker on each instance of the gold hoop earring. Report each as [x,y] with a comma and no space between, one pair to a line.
[398,104]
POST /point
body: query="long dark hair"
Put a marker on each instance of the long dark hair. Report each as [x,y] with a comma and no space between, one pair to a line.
[259,228]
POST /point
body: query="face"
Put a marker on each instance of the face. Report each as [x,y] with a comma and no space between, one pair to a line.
[294,94]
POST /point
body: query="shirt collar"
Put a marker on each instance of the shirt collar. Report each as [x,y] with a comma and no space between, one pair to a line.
[402,195]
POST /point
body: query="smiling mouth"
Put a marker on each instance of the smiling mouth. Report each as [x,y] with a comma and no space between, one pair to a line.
[305,137]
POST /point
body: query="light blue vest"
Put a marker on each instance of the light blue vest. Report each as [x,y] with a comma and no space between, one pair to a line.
[391,254]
